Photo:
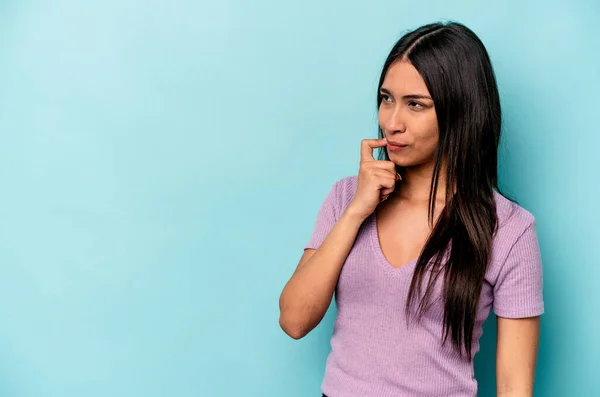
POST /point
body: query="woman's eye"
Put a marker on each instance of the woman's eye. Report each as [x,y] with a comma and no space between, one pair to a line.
[385,98]
[415,105]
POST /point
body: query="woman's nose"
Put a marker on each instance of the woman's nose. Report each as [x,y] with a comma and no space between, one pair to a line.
[393,123]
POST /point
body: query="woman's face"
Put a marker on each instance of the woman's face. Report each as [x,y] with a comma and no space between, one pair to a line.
[407,116]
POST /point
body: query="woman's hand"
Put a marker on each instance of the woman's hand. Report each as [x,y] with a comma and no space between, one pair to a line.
[376,179]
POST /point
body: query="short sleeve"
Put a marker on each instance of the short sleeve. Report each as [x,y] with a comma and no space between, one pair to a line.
[518,289]
[326,218]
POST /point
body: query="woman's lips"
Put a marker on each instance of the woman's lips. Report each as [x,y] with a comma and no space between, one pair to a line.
[395,146]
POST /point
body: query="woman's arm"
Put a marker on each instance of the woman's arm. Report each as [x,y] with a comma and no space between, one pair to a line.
[307,295]
[516,355]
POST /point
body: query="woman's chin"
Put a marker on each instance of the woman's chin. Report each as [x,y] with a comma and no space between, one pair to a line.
[401,161]
[407,164]
[405,161]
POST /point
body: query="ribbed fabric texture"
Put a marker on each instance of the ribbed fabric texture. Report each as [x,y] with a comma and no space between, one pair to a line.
[374,352]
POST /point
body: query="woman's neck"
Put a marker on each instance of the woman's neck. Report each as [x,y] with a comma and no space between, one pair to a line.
[416,184]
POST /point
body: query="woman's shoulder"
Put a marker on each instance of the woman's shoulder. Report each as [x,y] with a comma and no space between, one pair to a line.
[348,183]
[511,214]
[344,189]
[514,222]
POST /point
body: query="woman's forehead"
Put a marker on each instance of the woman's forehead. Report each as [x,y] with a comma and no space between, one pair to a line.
[402,78]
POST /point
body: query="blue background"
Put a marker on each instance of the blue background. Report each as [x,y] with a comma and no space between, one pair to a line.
[162,164]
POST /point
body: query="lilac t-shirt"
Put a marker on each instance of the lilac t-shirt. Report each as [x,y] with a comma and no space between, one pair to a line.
[373,353]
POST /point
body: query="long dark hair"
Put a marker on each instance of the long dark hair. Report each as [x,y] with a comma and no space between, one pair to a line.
[458,73]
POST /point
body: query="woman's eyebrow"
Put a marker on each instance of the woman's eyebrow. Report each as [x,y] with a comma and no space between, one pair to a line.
[410,96]
[416,96]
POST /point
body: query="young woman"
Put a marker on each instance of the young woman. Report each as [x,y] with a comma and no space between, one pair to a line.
[420,245]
